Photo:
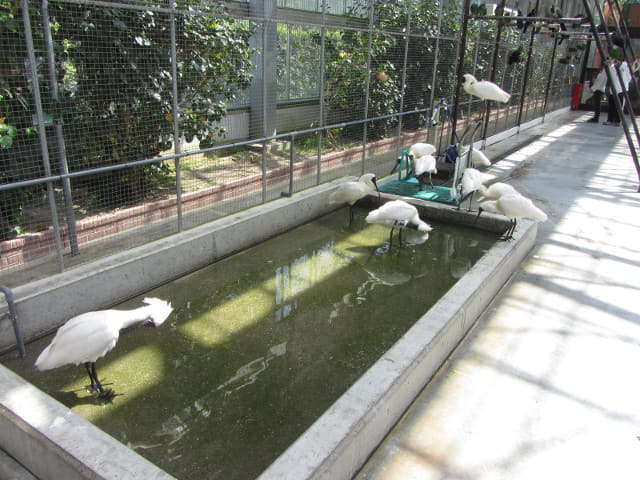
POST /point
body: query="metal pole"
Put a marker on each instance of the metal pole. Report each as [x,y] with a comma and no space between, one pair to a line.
[367,87]
[321,86]
[461,52]
[627,38]
[549,78]
[527,66]
[492,75]
[620,79]
[176,116]
[14,318]
[41,129]
[404,75]
[62,152]
[616,100]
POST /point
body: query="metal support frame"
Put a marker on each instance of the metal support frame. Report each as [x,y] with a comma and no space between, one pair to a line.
[35,86]
[62,151]
[492,75]
[14,318]
[461,51]
[616,100]
[527,66]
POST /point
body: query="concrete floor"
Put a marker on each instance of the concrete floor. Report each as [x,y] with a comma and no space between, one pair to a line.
[545,386]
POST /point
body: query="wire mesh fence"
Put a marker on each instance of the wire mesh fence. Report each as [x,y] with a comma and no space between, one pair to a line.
[125,121]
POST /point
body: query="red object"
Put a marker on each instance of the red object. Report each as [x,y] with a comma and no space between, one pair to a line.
[577,93]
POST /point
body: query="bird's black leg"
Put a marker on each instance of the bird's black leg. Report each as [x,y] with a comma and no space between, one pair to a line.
[470,200]
[97,387]
[91,370]
[350,214]
[391,237]
[431,181]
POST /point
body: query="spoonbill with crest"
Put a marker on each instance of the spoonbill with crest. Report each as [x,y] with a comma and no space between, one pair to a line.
[89,336]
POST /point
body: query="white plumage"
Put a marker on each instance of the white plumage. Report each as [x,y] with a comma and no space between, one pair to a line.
[398,213]
[90,336]
[418,150]
[478,158]
[423,166]
[513,206]
[484,89]
[351,192]
[497,190]
[473,180]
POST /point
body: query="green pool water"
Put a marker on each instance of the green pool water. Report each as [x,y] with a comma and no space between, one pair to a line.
[260,344]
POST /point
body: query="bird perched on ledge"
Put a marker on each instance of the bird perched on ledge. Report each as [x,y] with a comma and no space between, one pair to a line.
[351,192]
[484,90]
[513,206]
[90,336]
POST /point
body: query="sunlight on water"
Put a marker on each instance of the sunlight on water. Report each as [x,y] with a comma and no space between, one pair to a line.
[261,343]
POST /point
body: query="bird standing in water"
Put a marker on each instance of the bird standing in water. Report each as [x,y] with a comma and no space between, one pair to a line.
[400,214]
[90,336]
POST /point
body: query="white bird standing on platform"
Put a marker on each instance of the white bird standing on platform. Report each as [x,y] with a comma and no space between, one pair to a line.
[351,192]
[398,213]
[423,166]
[90,336]
[418,150]
[513,206]
[484,89]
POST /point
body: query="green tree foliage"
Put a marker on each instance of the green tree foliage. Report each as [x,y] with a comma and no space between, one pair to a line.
[114,73]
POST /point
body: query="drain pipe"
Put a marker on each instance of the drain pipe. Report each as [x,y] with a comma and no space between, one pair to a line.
[14,318]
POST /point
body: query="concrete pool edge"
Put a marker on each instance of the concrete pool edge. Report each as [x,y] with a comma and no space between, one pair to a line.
[140,269]
[339,442]
[48,450]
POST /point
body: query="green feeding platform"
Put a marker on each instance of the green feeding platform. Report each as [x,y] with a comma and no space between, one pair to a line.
[409,186]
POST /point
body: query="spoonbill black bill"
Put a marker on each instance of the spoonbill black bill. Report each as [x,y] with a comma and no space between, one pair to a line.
[89,336]
[400,214]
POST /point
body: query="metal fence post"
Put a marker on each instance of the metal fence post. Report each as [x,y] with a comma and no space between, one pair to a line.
[176,115]
[41,129]
[367,86]
[62,152]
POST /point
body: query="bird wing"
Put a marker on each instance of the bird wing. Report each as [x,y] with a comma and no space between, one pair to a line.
[392,212]
[348,192]
[82,339]
[422,149]
[490,91]
[517,206]
[425,164]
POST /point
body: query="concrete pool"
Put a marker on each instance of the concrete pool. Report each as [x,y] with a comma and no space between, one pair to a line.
[36,428]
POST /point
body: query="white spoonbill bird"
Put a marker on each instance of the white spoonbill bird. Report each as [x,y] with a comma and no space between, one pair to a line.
[478,158]
[351,192]
[513,206]
[484,89]
[473,179]
[89,336]
[423,166]
[418,150]
[497,190]
[398,213]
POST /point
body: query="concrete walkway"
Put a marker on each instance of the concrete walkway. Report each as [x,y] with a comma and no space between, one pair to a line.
[547,384]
